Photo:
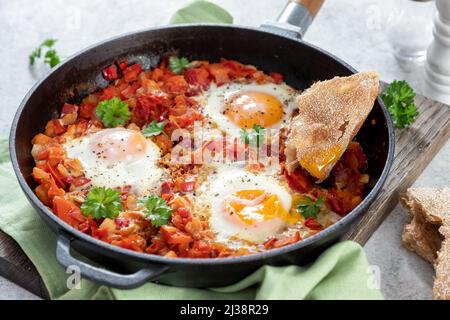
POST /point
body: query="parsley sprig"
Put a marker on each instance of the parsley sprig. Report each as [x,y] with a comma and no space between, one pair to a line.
[113,112]
[154,128]
[254,137]
[177,65]
[50,56]
[102,202]
[308,207]
[399,100]
[156,209]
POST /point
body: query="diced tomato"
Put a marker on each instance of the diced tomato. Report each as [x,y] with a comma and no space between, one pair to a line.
[80,181]
[54,128]
[269,243]
[201,249]
[86,110]
[176,85]
[288,240]
[187,184]
[150,107]
[174,236]
[89,226]
[110,73]
[68,211]
[198,76]
[110,92]
[129,91]
[184,212]
[164,143]
[131,73]
[68,108]
[277,77]
[298,180]
[313,224]
[167,190]
[156,245]
[220,73]
[42,193]
[123,64]
[57,176]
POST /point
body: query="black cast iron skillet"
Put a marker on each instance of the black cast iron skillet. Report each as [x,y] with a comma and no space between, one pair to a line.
[274,47]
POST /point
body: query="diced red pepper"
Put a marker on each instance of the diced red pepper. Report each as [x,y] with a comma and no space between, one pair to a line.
[298,180]
[131,73]
[313,224]
[80,181]
[68,108]
[188,184]
[110,73]
[277,77]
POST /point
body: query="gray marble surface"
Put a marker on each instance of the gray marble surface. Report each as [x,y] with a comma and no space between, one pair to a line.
[352,30]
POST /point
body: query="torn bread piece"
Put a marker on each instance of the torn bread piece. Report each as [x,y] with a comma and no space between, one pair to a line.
[427,208]
[441,288]
[330,115]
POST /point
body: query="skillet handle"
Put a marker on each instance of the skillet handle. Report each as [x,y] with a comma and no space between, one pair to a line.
[106,277]
[296,17]
[312,6]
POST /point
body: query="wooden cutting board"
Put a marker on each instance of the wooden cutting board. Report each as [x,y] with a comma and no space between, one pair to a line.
[415,148]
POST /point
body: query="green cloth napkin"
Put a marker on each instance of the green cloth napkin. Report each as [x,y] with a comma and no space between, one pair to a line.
[341,272]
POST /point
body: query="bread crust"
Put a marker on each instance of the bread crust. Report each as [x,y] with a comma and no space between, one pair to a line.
[428,232]
[330,115]
[441,288]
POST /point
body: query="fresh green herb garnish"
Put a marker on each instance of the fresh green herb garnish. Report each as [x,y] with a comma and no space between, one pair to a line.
[154,128]
[102,202]
[255,137]
[399,100]
[113,112]
[157,210]
[50,57]
[177,65]
[310,208]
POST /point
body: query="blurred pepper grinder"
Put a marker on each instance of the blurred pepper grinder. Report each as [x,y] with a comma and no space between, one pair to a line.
[409,31]
[437,67]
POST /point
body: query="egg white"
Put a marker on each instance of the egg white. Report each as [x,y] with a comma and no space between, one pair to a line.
[215,99]
[227,180]
[141,171]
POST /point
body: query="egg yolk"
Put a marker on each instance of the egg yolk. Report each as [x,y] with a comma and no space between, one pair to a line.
[317,163]
[117,144]
[248,108]
[252,206]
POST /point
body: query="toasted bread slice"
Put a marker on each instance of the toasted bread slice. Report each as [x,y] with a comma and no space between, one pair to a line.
[330,115]
[441,288]
[427,208]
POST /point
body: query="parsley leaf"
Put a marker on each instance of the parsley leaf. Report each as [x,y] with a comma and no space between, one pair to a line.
[102,202]
[399,100]
[177,65]
[113,112]
[154,128]
[50,57]
[255,137]
[157,210]
[310,208]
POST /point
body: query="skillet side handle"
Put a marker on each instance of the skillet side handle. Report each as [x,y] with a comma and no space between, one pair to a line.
[296,17]
[109,278]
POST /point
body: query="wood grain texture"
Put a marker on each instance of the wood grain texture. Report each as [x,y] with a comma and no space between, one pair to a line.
[415,148]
